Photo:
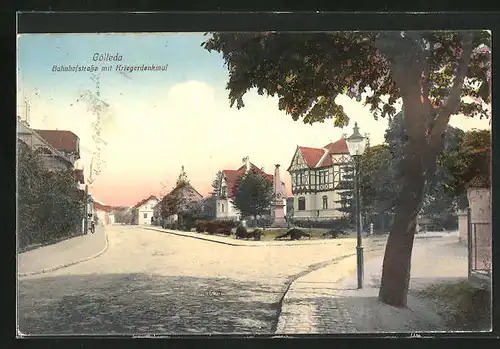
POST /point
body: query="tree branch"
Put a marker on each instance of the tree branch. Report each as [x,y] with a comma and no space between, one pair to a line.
[438,125]
[454,96]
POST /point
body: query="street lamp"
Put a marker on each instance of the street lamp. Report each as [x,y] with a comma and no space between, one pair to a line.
[356,144]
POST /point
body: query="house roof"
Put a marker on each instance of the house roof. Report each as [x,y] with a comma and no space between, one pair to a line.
[338,147]
[188,185]
[318,157]
[101,207]
[142,202]
[233,175]
[311,155]
[59,139]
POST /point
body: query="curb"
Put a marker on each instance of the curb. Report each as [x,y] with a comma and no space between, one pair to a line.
[46,270]
[296,277]
[249,243]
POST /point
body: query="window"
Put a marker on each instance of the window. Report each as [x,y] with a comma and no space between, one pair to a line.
[323,175]
[325,202]
[224,191]
[302,204]
[222,208]
[145,215]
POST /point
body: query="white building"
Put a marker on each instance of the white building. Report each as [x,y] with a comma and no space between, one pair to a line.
[143,210]
[318,178]
[224,207]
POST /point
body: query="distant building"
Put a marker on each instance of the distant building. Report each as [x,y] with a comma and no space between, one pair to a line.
[104,213]
[187,195]
[142,212]
[224,207]
[318,177]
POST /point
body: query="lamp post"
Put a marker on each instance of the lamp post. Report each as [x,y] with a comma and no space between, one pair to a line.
[356,144]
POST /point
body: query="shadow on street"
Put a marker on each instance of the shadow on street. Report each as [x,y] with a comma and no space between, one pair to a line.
[143,304]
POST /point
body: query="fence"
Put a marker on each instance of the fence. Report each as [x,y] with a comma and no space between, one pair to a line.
[479,246]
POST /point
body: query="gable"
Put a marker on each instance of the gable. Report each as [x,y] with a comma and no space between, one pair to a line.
[298,162]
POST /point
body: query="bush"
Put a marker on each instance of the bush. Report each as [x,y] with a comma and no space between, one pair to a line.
[335,224]
[212,227]
[50,207]
[264,222]
[241,232]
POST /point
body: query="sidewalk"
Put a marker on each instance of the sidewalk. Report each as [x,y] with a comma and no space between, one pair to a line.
[62,254]
[327,300]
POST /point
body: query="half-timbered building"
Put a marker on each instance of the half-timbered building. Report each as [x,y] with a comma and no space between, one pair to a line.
[319,175]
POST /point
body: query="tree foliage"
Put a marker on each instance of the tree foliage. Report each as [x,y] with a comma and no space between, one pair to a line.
[469,165]
[435,74]
[307,71]
[378,182]
[182,201]
[217,184]
[50,206]
[346,193]
[253,195]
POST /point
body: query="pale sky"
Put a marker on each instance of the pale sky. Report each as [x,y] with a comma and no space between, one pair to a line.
[158,121]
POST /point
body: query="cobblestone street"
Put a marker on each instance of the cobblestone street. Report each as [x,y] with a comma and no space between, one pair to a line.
[149,282]
[327,300]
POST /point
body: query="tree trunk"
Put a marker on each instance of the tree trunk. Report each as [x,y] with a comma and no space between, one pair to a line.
[397,259]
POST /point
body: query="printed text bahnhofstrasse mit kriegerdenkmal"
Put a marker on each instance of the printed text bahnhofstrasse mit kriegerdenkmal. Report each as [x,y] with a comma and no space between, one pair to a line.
[118,68]
[106,57]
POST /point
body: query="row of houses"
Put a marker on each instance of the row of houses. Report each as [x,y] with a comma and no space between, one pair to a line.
[318,177]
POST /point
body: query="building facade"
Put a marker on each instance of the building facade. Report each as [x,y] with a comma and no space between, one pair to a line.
[143,210]
[319,176]
[225,210]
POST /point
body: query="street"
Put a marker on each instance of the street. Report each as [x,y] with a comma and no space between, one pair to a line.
[150,282]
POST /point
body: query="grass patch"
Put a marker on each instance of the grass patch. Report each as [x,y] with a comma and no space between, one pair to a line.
[463,306]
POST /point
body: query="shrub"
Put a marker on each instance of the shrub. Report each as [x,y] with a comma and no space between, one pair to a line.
[264,222]
[201,226]
[241,232]
[50,207]
[336,224]
[212,227]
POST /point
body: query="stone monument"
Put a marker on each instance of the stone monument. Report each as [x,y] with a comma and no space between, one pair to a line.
[279,213]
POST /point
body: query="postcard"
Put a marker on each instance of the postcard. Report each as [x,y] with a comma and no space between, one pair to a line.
[272,183]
